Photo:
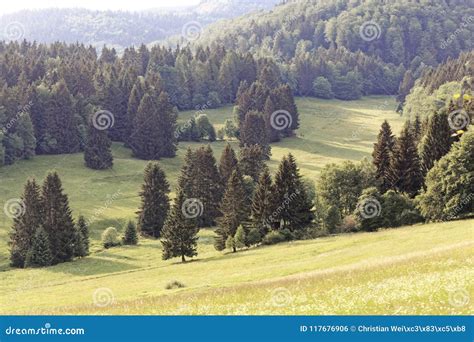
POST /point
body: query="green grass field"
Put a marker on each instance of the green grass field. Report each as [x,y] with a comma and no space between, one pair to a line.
[421,269]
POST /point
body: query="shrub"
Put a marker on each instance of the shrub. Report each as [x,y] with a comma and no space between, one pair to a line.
[174,285]
[408,217]
[273,238]
[348,224]
[110,237]
[253,237]
[322,88]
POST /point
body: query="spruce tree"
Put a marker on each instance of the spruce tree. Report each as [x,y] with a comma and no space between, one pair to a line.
[57,219]
[405,167]
[130,236]
[253,132]
[262,203]
[227,163]
[382,156]
[270,108]
[39,254]
[154,126]
[26,224]
[179,235]
[235,209]
[437,141]
[155,201]
[97,153]
[201,181]
[293,206]
[79,243]
[251,161]
[84,231]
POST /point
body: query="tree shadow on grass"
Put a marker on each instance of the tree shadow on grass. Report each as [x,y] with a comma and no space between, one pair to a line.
[90,266]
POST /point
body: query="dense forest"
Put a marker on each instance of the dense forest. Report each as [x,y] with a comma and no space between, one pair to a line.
[119,29]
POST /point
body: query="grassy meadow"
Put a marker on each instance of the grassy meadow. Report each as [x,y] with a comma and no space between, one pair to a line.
[424,269]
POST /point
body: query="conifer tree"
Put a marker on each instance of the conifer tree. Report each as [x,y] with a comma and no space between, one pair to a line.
[84,231]
[382,156]
[39,254]
[269,109]
[293,207]
[437,141]
[97,153]
[405,167]
[262,203]
[240,238]
[201,181]
[130,236]
[154,126]
[60,122]
[251,161]
[227,163]
[26,224]
[57,219]
[254,132]
[179,235]
[79,243]
[155,201]
[235,209]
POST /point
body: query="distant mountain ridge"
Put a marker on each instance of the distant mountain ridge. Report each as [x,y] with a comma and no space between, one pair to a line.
[119,29]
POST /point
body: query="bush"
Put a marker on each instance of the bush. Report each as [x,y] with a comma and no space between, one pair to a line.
[409,217]
[220,133]
[253,237]
[322,88]
[214,100]
[394,205]
[174,285]
[230,129]
[348,224]
[110,237]
[273,238]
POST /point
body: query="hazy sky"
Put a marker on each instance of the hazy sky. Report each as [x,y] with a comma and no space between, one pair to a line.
[15,5]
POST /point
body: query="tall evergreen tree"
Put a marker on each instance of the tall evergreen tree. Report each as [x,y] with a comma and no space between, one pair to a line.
[201,181]
[251,161]
[227,163]
[235,209]
[179,235]
[39,255]
[382,156]
[97,153]
[26,224]
[155,201]
[262,203]
[254,132]
[84,231]
[293,207]
[153,135]
[57,219]
[437,141]
[405,166]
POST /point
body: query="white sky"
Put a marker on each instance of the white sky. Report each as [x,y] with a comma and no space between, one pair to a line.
[8,6]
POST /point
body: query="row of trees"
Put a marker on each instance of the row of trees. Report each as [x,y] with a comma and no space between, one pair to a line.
[43,231]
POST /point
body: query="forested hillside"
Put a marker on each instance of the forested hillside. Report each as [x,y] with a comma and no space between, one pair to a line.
[368,43]
[119,29]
